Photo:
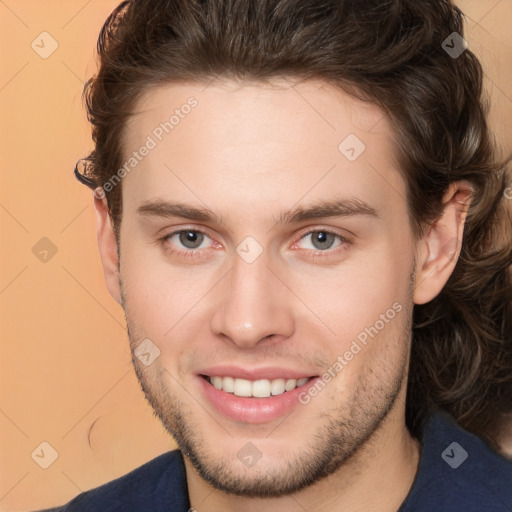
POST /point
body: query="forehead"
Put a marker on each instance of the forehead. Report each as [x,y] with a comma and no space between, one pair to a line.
[279,104]
[279,142]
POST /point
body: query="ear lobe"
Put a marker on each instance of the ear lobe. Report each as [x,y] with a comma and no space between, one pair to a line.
[440,247]
[107,246]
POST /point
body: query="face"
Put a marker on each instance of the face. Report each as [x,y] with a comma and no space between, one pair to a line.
[264,253]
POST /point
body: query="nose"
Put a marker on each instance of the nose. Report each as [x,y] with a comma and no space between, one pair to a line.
[253,304]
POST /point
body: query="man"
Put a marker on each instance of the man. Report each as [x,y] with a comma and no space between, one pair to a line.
[300,213]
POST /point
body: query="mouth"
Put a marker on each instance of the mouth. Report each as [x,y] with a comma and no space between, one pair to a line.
[254,394]
[260,388]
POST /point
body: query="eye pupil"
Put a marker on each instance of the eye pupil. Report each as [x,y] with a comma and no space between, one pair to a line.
[322,237]
[191,237]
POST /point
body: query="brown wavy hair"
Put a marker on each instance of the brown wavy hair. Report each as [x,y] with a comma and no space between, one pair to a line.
[389,53]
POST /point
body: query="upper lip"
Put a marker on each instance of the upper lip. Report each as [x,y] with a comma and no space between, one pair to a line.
[266,372]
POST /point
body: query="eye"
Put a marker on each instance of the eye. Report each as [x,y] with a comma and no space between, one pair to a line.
[190,239]
[322,241]
[189,243]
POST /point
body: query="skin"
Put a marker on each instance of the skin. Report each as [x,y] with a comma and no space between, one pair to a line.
[249,152]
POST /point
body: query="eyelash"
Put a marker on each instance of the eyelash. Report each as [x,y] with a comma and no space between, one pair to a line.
[194,253]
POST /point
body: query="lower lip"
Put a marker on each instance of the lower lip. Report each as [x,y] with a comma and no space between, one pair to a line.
[253,410]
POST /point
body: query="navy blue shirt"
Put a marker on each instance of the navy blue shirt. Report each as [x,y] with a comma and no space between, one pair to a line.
[457,472]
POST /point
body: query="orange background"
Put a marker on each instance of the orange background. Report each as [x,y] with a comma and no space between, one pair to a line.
[65,370]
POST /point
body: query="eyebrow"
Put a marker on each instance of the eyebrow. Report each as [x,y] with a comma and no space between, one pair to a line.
[326,208]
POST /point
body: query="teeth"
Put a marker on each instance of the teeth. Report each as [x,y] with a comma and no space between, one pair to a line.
[242,387]
[277,387]
[217,382]
[228,384]
[290,384]
[259,388]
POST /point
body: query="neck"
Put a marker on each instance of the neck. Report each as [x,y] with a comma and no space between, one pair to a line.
[377,477]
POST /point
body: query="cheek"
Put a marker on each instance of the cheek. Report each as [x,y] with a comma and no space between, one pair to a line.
[370,351]
[354,295]
[164,298]
[158,295]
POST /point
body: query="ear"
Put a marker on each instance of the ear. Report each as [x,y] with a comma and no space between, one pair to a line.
[439,249]
[107,245]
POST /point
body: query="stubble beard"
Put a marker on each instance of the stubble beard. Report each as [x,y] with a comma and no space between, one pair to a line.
[343,433]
